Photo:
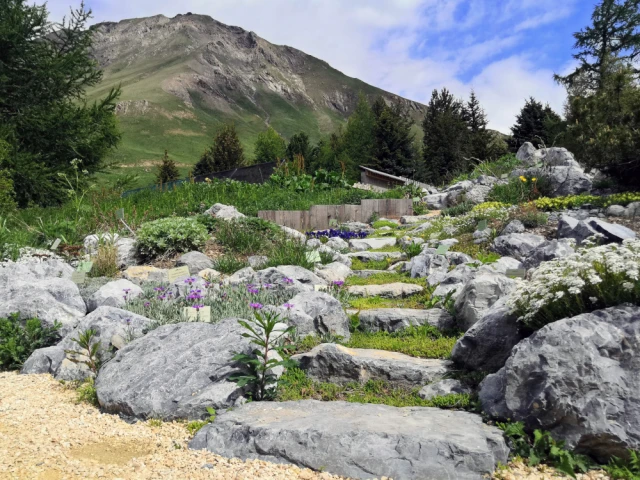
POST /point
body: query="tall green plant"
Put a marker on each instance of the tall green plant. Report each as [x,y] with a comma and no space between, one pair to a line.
[265,333]
[18,341]
[88,353]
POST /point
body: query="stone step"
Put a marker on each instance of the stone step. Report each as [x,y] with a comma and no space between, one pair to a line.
[334,363]
[389,290]
[377,256]
[394,319]
[358,440]
[371,243]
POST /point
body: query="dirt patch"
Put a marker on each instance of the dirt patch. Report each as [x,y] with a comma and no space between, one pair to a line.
[115,452]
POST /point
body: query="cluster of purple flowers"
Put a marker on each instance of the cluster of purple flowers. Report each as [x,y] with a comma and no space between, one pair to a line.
[126,293]
[256,306]
[162,295]
[338,283]
[195,295]
[343,234]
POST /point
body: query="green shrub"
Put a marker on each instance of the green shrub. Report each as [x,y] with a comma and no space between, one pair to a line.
[542,448]
[420,208]
[247,236]
[289,252]
[170,235]
[519,190]
[460,209]
[105,261]
[529,215]
[17,342]
[87,393]
[588,280]
[626,469]
[384,223]
[229,264]
[495,168]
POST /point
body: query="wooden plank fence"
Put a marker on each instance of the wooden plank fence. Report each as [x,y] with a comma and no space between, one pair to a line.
[320,217]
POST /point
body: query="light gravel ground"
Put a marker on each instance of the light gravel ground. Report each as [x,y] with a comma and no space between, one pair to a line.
[46,435]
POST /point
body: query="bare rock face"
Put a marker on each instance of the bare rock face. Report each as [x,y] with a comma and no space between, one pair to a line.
[577,378]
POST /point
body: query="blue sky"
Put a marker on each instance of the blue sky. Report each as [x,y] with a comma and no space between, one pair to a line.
[506,50]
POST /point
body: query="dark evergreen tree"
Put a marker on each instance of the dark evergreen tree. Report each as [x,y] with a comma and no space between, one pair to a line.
[393,150]
[613,36]
[446,137]
[299,145]
[224,154]
[480,139]
[358,139]
[167,170]
[45,70]
[535,123]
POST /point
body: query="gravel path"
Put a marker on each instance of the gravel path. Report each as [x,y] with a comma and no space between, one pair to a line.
[46,435]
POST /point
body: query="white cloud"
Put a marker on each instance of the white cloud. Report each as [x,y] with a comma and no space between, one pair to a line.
[408,47]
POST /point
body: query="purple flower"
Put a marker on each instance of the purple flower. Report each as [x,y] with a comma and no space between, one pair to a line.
[338,283]
[126,290]
[287,280]
[254,291]
[288,306]
[256,306]
[162,297]
[128,320]
[224,294]
[268,285]
[190,280]
[198,307]
[250,285]
[194,295]
[159,289]
[147,304]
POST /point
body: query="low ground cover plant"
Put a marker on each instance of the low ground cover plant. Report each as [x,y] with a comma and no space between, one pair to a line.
[170,235]
[383,278]
[575,201]
[594,277]
[160,303]
[19,338]
[529,215]
[384,223]
[519,190]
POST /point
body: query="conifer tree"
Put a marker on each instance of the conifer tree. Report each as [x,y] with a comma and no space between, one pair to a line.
[446,137]
[299,145]
[535,123]
[613,36]
[393,150]
[224,154]
[167,170]
[358,139]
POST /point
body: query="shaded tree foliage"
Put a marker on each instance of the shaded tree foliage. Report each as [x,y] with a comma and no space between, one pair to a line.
[269,146]
[536,124]
[224,154]
[45,69]
[167,170]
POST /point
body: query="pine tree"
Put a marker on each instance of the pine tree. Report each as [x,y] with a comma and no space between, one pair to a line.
[358,138]
[446,137]
[269,146]
[613,36]
[393,150]
[535,123]
[224,154]
[479,137]
[45,70]
[167,170]
[299,145]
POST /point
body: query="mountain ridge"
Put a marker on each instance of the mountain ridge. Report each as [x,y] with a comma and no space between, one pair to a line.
[183,77]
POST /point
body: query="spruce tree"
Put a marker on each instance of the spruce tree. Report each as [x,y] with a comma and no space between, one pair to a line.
[269,146]
[299,145]
[358,138]
[45,70]
[393,150]
[614,35]
[167,170]
[480,139]
[224,154]
[535,123]
[446,137]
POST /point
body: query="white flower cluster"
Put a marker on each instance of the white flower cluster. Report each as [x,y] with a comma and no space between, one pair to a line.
[604,273]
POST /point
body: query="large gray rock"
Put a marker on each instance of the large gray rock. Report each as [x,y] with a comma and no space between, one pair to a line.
[435,201]
[394,319]
[333,272]
[376,256]
[568,180]
[503,264]
[372,243]
[514,226]
[448,386]
[359,440]
[114,328]
[488,343]
[114,294]
[611,231]
[526,153]
[516,245]
[337,243]
[389,290]
[431,266]
[333,363]
[316,313]
[549,250]
[577,378]
[454,281]
[30,291]
[294,234]
[225,212]
[196,261]
[174,372]
[580,230]
[295,279]
[478,194]
[478,295]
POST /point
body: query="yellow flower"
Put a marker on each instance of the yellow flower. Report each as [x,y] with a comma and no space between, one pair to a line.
[523,179]
[534,179]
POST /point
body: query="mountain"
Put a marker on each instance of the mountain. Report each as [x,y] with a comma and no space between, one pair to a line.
[185,76]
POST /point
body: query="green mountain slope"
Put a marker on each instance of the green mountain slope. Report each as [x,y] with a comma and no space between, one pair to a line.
[183,77]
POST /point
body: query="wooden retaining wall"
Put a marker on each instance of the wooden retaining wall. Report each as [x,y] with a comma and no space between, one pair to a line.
[320,217]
